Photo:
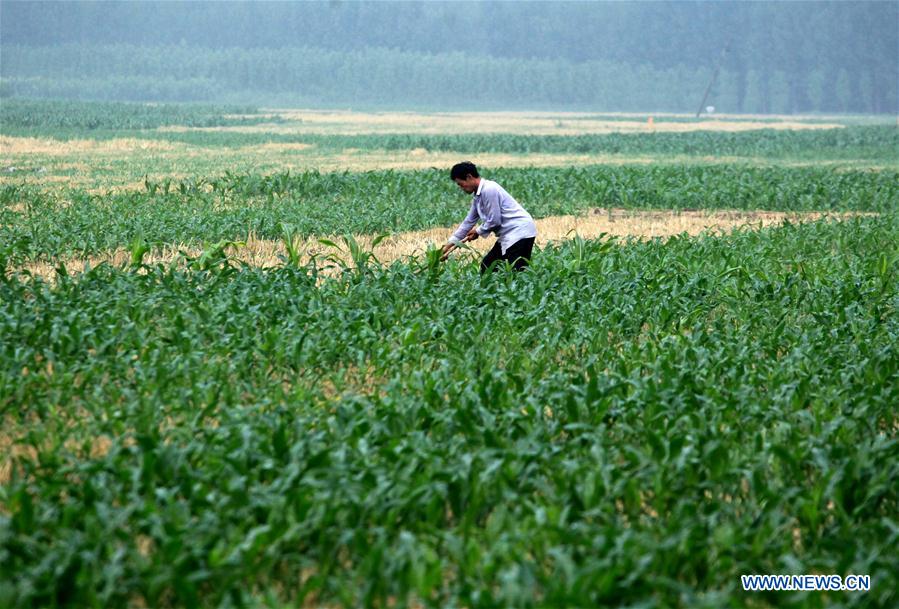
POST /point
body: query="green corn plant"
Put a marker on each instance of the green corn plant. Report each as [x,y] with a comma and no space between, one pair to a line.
[359,256]
[292,245]
[215,256]
[433,266]
[138,249]
[336,260]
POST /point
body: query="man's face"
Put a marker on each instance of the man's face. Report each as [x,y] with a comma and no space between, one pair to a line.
[468,184]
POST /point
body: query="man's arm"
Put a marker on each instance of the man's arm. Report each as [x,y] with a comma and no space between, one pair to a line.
[463,233]
[466,225]
[493,217]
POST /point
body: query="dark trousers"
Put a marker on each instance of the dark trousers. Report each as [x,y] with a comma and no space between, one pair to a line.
[519,253]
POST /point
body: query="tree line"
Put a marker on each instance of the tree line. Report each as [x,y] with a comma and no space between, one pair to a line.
[787,57]
[394,78]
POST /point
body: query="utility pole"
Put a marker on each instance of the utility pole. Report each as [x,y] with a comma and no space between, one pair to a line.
[714,76]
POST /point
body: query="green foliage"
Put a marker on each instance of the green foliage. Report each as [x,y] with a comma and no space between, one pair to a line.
[870,142]
[292,245]
[214,256]
[139,248]
[232,206]
[624,424]
[89,116]
[877,142]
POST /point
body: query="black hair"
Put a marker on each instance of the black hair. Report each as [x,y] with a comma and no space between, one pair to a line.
[464,169]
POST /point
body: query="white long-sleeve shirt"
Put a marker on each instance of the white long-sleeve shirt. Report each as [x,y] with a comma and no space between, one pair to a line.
[499,213]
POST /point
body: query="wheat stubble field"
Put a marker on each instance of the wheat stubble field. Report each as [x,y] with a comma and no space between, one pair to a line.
[233,371]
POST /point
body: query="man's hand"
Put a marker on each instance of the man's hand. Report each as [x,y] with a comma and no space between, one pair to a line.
[446,251]
[449,247]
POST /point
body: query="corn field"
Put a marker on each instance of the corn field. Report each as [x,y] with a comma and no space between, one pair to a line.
[630,422]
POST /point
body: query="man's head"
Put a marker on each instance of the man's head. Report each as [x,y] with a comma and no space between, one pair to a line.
[466,176]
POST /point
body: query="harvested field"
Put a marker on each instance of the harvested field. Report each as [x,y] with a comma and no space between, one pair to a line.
[50,147]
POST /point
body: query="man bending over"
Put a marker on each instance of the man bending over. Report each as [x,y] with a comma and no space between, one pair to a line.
[499,214]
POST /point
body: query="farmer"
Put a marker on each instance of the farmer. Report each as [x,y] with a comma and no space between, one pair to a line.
[499,213]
